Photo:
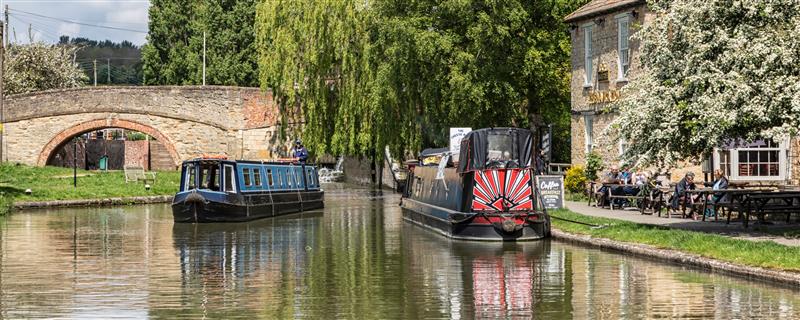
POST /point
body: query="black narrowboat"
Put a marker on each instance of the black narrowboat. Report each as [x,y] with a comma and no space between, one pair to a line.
[220,190]
[489,195]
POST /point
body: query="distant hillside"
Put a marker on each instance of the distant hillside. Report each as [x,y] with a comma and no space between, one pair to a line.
[125,60]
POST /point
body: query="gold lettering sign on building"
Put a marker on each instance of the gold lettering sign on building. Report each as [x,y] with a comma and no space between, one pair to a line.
[596,97]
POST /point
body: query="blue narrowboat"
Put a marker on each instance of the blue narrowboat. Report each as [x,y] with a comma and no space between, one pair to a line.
[220,190]
[488,195]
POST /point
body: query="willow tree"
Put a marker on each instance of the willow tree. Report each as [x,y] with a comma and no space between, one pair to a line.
[369,74]
[712,71]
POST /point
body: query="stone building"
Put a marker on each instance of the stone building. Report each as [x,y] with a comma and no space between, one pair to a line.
[604,58]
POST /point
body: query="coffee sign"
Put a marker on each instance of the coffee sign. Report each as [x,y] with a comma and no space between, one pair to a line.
[552,190]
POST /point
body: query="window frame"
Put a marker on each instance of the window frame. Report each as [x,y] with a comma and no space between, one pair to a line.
[588,134]
[257,177]
[622,75]
[247,182]
[588,54]
[227,176]
[783,163]
[190,182]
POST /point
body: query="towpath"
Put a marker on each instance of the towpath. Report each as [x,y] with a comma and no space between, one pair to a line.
[734,229]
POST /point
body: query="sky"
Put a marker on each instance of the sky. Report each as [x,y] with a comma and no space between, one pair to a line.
[50,19]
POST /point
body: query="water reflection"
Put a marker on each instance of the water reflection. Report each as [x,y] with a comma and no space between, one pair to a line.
[357,259]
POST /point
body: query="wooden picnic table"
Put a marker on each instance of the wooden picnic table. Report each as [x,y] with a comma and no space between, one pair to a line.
[747,201]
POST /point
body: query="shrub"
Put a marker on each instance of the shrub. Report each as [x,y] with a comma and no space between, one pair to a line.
[575,180]
[136,136]
[5,205]
[594,163]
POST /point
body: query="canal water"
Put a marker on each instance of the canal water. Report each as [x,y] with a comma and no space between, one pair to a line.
[355,259]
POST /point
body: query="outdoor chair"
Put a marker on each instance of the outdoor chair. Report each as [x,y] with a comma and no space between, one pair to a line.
[137,173]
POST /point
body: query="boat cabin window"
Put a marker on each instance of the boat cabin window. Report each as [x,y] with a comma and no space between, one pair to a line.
[257,177]
[280,178]
[209,176]
[189,178]
[310,177]
[246,174]
[230,186]
[296,178]
[289,179]
[501,150]
[269,178]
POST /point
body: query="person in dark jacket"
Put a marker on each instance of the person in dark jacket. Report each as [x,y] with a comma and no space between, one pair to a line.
[687,183]
[300,151]
[720,183]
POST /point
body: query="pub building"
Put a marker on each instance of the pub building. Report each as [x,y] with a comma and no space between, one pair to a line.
[605,58]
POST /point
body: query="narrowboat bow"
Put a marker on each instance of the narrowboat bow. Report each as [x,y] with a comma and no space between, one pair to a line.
[490,195]
[220,190]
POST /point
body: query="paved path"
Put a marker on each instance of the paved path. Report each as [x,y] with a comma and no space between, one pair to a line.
[733,229]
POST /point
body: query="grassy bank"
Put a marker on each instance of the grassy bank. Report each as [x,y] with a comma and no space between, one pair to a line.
[744,252]
[55,183]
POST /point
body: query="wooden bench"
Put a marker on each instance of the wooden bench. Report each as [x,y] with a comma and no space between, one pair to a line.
[137,173]
[612,197]
[782,202]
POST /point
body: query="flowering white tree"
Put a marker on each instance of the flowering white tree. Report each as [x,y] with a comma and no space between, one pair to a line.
[711,70]
[39,66]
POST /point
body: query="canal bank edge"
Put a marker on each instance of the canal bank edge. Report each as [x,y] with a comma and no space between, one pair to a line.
[92,202]
[681,258]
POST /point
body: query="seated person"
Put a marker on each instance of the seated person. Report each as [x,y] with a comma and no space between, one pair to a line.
[611,177]
[639,179]
[720,183]
[687,183]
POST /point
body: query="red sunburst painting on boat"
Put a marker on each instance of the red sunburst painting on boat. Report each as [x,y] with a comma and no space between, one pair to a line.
[502,190]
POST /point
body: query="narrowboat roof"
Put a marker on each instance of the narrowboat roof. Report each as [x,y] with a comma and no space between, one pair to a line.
[477,145]
[272,162]
[433,151]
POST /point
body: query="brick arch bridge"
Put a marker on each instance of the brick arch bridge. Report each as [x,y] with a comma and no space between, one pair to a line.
[187,120]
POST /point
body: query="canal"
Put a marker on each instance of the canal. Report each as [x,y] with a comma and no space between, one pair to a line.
[355,259]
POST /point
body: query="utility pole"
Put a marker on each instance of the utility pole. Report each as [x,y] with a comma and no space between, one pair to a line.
[2,97]
[94,69]
[5,36]
[108,70]
[204,58]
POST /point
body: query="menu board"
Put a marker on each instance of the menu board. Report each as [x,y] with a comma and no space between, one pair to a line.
[552,190]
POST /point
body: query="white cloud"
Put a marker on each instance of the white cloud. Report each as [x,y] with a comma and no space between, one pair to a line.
[134,16]
[69,29]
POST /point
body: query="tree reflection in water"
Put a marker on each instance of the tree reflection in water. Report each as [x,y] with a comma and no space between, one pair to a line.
[357,259]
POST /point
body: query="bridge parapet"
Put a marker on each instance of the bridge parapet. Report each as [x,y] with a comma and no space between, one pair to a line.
[190,120]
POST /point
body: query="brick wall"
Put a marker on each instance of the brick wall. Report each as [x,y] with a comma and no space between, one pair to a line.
[137,153]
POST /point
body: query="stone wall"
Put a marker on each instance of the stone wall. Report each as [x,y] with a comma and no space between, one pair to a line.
[793,160]
[606,57]
[188,120]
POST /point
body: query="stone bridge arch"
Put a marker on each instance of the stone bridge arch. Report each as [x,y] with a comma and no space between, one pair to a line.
[66,135]
[242,122]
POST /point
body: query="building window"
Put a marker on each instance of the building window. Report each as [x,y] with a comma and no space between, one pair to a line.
[623,34]
[759,160]
[587,54]
[623,146]
[588,134]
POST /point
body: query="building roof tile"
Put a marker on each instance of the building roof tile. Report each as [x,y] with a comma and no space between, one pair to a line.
[598,7]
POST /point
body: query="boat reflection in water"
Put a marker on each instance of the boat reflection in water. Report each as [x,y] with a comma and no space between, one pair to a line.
[224,263]
[480,279]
